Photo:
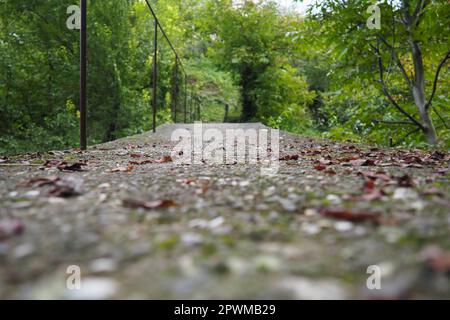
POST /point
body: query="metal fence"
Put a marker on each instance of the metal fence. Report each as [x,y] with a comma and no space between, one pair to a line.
[179,72]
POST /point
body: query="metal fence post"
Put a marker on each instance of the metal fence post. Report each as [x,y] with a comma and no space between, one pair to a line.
[185,98]
[155,73]
[175,91]
[83,74]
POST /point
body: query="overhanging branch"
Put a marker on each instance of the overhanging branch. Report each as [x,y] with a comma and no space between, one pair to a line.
[387,93]
[397,60]
[436,78]
[394,122]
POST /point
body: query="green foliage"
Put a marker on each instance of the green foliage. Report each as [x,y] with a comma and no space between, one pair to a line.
[351,93]
[311,75]
[252,41]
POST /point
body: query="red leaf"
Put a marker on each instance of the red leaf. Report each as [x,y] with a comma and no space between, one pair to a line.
[164,159]
[369,186]
[354,216]
[319,167]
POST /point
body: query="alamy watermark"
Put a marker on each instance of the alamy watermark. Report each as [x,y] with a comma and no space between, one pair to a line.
[231,146]
[73,281]
[374,280]
[374,21]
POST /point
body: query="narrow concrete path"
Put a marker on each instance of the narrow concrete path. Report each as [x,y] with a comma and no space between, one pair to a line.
[139,225]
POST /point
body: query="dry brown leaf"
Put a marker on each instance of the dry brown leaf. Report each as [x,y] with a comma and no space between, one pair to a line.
[164,159]
[349,215]
[63,191]
[41,181]
[290,157]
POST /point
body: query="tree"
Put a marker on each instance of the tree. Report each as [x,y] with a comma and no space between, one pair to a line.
[412,34]
[251,40]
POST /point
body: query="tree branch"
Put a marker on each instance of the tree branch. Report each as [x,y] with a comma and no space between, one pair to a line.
[440,117]
[45,20]
[388,95]
[394,122]
[436,78]
[420,7]
[397,60]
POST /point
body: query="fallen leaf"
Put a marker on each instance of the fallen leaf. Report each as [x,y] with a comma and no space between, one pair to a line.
[290,157]
[51,164]
[41,181]
[63,191]
[413,159]
[63,165]
[369,186]
[374,175]
[139,163]
[437,155]
[73,167]
[188,181]
[164,159]
[349,215]
[319,167]
[368,163]
[362,163]
[149,205]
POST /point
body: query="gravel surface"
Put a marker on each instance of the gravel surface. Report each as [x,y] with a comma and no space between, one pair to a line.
[138,225]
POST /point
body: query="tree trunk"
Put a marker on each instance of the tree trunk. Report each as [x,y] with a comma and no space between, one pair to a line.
[227,109]
[248,103]
[248,111]
[418,91]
